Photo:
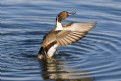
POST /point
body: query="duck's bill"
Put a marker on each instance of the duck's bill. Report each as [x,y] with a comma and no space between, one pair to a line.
[72,13]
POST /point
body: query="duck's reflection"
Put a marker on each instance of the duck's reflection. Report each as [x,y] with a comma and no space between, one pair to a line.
[54,69]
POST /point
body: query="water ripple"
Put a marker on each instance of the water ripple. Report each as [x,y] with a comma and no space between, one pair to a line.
[95,58]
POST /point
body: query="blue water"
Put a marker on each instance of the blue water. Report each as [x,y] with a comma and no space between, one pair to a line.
[23,23]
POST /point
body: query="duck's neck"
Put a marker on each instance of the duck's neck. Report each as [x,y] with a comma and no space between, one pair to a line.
[58,25]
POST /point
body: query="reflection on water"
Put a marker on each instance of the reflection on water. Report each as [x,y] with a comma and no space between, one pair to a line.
[54,69]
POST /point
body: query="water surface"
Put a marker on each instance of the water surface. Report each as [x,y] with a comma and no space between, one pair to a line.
[23,24]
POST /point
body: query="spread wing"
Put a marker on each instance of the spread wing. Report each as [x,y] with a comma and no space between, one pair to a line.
[73,32]
[68,37]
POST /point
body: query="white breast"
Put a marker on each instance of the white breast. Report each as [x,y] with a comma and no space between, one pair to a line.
[52,50]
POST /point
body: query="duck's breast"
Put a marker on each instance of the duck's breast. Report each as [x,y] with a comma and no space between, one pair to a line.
[52,50]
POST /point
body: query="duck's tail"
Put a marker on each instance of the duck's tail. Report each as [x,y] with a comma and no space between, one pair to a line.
[41,53]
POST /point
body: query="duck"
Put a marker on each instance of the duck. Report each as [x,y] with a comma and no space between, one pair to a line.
[63,35]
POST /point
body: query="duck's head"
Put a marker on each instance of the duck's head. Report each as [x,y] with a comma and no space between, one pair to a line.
[63,15]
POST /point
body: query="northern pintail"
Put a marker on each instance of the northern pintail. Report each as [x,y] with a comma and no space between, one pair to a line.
[63,35]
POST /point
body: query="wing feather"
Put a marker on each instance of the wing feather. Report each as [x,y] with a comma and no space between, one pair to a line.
[67,37]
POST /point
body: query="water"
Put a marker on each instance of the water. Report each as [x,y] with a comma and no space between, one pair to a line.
[23,24]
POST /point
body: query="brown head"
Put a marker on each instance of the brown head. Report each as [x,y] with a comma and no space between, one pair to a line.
[63,15]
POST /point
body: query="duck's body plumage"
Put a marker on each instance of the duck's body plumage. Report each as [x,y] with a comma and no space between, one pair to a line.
[63,35]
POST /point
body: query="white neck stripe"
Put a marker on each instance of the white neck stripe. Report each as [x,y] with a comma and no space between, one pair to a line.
[58,25]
